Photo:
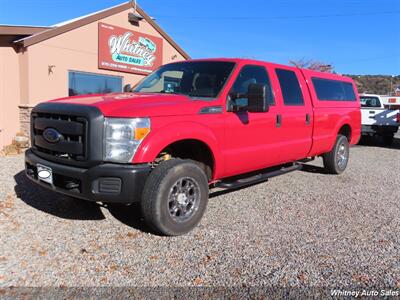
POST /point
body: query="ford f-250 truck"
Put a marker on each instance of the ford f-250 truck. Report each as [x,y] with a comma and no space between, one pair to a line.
[189,127]
[380,116]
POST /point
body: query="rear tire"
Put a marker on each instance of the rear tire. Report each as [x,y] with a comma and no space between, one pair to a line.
[388,139]
[175,197]
[335,161]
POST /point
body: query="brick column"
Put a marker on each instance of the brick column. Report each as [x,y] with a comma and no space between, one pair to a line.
[25,120]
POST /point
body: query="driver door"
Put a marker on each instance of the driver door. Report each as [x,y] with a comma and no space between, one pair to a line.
[252,138]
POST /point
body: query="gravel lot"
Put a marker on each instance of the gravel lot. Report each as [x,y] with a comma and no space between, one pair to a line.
[305,229]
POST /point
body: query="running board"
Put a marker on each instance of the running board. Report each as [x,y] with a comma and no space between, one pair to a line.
[258,178]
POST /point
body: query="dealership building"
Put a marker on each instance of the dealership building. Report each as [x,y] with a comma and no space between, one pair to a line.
[97,53]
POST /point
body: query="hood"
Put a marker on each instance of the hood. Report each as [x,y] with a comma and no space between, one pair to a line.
[138,104]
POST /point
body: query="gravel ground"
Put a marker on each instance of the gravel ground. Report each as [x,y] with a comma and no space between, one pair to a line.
[305,229]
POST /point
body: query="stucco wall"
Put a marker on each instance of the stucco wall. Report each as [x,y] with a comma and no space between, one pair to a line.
[9,95]
[77,50]
[25,79]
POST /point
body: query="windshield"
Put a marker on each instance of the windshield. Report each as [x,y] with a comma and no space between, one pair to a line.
[367,101]
[204,79]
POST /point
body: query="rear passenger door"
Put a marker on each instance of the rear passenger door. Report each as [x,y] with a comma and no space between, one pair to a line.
[296,118]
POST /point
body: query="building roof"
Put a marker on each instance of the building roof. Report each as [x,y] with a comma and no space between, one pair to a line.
[10,33]
[84,17]
[21,29]
[82,21]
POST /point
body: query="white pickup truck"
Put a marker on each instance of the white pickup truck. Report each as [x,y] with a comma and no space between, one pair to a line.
[380,116]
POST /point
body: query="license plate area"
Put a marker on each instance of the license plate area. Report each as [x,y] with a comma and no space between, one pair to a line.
[45,174]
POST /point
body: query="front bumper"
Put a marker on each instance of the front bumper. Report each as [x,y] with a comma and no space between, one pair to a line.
[112,183]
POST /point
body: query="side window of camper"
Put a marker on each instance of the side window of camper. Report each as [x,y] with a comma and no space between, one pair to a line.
[333,90]
[290,87]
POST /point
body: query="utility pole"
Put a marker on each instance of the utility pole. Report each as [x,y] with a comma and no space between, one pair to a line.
[391,85]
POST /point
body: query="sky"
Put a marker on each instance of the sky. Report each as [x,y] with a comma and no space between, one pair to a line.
[355,36]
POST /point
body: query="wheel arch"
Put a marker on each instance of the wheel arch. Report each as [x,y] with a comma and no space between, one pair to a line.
[345,130]
[343,126]
[184,134]
[326,145]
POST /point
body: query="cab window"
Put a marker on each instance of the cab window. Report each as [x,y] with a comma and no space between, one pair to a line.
[250,74]
[290,87]
[367,101]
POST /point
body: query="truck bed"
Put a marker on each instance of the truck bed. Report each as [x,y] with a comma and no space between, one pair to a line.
[379,116]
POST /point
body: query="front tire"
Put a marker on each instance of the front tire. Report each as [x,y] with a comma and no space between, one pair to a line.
[175,197]
[335,161]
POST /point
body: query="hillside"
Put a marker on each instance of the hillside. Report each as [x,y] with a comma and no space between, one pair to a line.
[373,84]
[376,84]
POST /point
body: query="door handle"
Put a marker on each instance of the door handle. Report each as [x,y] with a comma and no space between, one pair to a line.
[308,119]
[278,120]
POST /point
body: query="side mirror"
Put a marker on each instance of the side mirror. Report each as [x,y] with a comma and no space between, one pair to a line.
[127,88]
[257,98]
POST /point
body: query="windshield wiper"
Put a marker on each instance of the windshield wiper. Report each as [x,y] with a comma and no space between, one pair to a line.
[200,96]
[170,92]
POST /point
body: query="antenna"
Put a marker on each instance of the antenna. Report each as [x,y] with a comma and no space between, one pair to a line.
[134,5]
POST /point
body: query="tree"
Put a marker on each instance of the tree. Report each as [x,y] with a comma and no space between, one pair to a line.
[312,65]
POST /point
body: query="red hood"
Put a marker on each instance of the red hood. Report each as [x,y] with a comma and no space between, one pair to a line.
[138,104]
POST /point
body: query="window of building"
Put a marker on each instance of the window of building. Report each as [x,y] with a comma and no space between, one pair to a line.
[333,90]
[251,74]
[290,87]
[81,83]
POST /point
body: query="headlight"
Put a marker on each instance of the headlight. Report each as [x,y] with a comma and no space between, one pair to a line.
[122,137]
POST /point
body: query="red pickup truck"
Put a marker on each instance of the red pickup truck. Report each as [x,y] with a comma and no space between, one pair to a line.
[189,127]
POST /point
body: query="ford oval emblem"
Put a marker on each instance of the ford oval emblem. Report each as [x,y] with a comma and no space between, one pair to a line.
[51,135]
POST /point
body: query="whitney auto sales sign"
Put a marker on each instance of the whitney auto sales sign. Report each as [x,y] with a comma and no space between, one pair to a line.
[125,50]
